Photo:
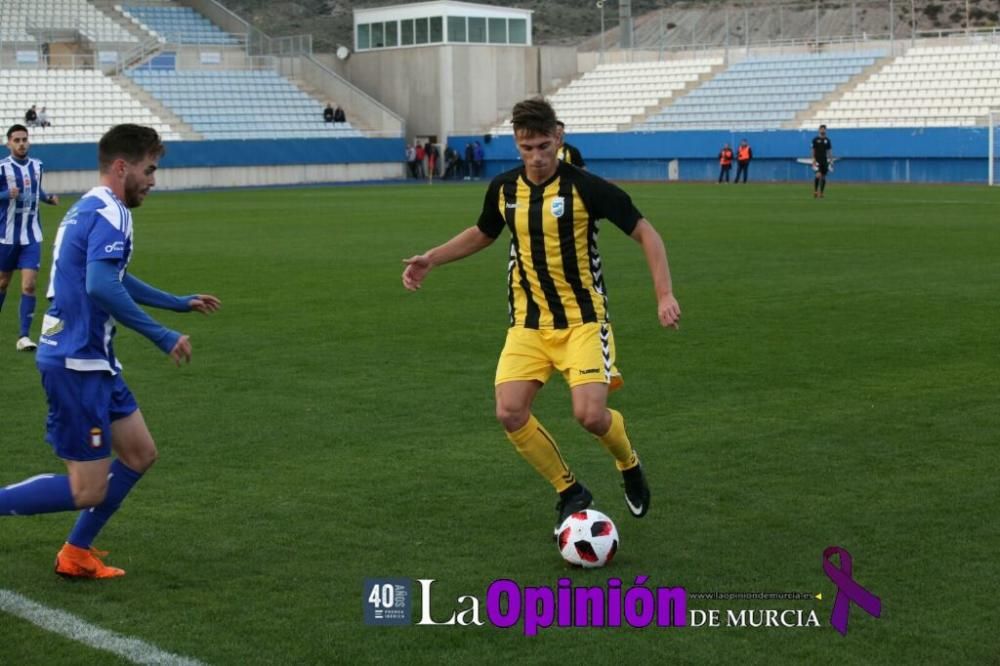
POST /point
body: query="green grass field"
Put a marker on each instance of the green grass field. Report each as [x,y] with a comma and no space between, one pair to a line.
[835,381]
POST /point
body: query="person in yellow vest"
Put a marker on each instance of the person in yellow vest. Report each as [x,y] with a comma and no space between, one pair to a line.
[743,157]
[725,162]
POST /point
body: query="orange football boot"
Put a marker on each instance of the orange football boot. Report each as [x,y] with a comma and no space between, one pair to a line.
[74,562]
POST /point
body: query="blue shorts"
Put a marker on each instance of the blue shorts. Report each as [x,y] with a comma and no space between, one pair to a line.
[20,257]
[82,406]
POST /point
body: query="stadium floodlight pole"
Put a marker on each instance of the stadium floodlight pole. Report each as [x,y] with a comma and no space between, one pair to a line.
[600,5]
[892,28]
[817,25]
[727,35]
[746,27]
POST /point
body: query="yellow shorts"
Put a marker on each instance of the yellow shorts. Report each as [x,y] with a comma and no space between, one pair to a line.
[583,354]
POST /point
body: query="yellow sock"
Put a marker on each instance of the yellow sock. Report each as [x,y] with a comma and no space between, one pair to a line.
[616,442]
[537,447]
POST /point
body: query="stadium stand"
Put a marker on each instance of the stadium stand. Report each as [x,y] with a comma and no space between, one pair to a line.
[82,104]
[241,104]
[761,93]
[614,94]
[177,25]
[21,21]
[942,86]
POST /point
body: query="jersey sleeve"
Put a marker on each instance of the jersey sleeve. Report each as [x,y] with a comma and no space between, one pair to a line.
[607,201]
[105,242]
[491,222]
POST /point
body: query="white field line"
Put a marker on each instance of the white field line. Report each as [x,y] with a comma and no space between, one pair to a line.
[73,628]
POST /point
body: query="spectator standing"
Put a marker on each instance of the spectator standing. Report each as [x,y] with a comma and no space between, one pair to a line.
[419,150]
[431,153]
[743,156]
[480,158]
[470,161]
[725,162]
[411,161]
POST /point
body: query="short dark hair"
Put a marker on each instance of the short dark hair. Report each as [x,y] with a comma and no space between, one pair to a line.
[16,128]
[822,126]
[534,116]
[561,123]
[129,142]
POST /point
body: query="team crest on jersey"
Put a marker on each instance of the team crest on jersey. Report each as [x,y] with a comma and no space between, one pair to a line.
[95,438]
[558,207]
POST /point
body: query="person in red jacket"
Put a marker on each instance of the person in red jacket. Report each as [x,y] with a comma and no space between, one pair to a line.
[725,162]
[743,156]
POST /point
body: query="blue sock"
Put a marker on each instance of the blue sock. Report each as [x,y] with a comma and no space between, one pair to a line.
[91,521]
[27,313]
[45,493]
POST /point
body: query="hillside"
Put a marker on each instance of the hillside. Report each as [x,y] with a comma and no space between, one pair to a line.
[577,22]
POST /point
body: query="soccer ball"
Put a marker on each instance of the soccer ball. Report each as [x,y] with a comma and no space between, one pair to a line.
[588,539]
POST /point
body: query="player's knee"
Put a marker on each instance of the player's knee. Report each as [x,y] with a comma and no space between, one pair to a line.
[512,419]
[87,496]
[4,283]
[28,288]
[141,460]
[594,419]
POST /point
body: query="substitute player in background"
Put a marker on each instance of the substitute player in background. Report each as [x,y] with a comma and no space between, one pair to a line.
[568,153]
[557,300]
[822,156]
[20,226]
[91,410]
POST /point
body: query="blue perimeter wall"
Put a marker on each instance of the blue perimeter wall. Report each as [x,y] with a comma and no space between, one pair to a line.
[236,153]
[900,155]
[931,155]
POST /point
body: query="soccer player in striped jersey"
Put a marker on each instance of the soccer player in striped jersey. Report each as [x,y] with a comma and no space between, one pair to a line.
[91,410]
[566,152]
[557,300]
[20,225]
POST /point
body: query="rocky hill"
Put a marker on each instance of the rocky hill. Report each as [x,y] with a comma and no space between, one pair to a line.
[577,22]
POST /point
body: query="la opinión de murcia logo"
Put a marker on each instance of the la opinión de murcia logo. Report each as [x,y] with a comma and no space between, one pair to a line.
[388,601]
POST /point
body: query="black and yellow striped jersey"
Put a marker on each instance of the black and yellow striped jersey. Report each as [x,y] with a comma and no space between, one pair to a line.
[571,154]
[554,276]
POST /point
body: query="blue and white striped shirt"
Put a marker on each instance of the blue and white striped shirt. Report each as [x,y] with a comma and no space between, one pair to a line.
[76,332]
[19,220]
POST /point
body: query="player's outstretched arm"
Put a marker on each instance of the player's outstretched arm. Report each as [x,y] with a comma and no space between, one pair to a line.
[468,242]
[106,289]
[146,294]
[667,309]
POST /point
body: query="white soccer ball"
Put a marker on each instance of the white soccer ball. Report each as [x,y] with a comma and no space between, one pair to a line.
[588,539]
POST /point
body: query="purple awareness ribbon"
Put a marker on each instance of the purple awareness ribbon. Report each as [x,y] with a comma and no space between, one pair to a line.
[848,590]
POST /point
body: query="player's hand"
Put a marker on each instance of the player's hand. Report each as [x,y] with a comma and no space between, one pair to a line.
[417,268]
[205,303]
[14,192]
[669,311]
[181,351]
[54,199]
